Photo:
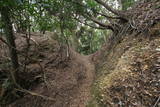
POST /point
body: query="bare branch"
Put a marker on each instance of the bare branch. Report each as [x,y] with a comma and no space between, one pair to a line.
[102,14]
[109,17]
[116,12]
[85,23]
[90,17]
[101,24]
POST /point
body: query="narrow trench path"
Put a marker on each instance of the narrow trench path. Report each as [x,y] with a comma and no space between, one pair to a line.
[84,93]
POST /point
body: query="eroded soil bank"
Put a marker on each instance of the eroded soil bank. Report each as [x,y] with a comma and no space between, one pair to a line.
[128,69]
[129,75]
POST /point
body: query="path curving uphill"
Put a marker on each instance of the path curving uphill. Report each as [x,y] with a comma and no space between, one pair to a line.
[83,94]
[68,80]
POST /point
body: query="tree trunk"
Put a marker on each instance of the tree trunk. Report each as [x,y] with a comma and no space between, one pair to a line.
[10,38]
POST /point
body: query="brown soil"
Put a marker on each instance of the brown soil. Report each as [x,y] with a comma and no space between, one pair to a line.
[67,81]
[83,93]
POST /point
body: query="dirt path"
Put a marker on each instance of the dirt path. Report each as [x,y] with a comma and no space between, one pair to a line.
[83,94]
[68,81]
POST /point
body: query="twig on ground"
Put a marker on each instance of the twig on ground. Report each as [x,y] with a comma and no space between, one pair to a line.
[157,102]
[35,94]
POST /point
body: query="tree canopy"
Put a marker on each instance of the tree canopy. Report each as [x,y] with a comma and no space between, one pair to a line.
[67,18]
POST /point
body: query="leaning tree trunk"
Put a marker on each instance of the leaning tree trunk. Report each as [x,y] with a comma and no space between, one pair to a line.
[10,39]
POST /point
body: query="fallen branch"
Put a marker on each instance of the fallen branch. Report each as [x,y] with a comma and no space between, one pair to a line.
[157,102]
[35,94]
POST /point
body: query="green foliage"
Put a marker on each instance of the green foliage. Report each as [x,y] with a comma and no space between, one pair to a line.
[91,40]
[127,3]
[58,16]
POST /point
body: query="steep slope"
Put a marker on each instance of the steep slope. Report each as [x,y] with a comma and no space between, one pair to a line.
[129,75]
[128,65]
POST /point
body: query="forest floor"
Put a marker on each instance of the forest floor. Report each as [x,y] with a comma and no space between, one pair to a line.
[63,81]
